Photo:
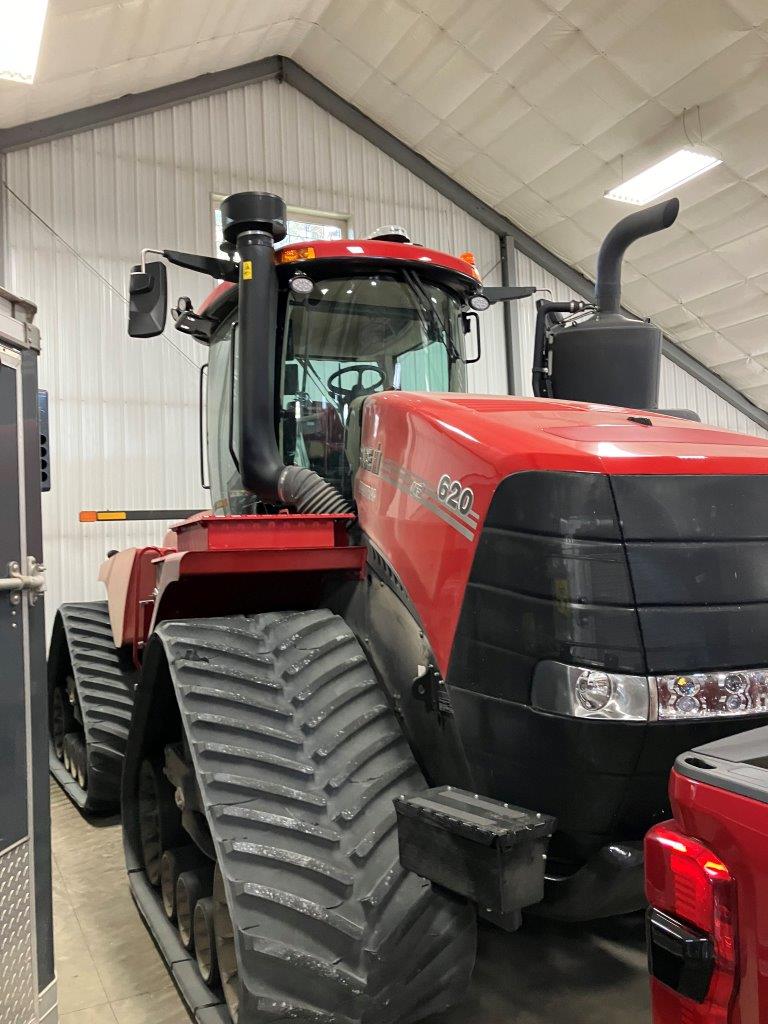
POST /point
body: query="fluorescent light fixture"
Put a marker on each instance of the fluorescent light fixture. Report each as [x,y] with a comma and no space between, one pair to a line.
[664,176]
[20,37]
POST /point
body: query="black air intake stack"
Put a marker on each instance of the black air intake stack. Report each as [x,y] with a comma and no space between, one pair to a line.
[612,358]
[252,222]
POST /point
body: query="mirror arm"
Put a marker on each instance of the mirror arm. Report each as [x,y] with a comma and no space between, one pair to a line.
[508,293]
[222,270]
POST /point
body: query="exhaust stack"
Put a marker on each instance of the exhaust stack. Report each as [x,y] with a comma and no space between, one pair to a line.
[608,358]
[616,243]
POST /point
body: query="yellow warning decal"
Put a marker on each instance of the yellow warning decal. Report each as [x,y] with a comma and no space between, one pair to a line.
[247,270]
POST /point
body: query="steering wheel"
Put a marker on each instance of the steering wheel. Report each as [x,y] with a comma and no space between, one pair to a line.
[357,390]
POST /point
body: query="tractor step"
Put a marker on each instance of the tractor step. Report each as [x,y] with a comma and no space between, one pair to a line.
[491,852]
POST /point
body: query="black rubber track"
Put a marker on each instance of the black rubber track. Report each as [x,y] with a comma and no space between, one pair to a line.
[299,758]
[82,645]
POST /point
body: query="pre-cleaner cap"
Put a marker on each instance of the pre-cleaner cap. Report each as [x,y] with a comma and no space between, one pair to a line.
[253,211]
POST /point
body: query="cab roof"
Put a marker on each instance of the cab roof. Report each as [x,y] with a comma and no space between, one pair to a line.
[302,254]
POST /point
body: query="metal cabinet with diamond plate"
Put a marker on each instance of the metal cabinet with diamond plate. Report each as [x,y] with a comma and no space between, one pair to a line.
[27,978]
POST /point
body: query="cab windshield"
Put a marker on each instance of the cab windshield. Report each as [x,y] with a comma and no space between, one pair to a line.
[352,337]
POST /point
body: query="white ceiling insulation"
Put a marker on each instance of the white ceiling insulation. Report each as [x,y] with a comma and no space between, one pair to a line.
[537,106]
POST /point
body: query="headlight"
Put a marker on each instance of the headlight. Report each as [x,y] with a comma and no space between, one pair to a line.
[591,693]
[712,694]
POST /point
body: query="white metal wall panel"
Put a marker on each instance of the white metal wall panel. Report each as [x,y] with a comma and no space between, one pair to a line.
[123,413]
[677,390]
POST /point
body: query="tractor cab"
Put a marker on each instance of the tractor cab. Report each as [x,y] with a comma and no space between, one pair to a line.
[353,319]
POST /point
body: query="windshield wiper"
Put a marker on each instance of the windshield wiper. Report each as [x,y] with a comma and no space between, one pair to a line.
[437,320]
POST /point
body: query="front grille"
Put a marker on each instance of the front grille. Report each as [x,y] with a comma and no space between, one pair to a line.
[549,581]
[697,549]
[635,574]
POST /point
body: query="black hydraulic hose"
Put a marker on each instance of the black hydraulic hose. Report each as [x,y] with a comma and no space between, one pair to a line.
[539,353]
[261,467]
[541,381]
[615,244]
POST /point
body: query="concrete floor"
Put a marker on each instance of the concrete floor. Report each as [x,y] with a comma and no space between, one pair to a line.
[110,973]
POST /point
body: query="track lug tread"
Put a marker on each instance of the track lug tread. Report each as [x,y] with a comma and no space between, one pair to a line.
[308,908]
[313,724]
[394,774]
[278,822]
[298,861]
[379,746]
[232,751]
[329,972]
[105,683]
[327,923]
[237,726]
[263,789]
[349,732]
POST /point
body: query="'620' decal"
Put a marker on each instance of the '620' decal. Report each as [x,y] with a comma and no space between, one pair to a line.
[452,494]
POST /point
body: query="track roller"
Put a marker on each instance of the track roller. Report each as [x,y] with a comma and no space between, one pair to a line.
[205,942]
[62,721]
[172,864]
[159,818]
[191,887]
[69,747]
[79,767]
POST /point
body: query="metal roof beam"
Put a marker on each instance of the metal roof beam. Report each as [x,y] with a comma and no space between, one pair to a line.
[136,103]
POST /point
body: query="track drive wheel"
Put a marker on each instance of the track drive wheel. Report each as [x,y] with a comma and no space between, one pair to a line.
[299,757]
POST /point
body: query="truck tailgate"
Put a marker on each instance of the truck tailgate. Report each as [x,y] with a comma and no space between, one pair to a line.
[719,795]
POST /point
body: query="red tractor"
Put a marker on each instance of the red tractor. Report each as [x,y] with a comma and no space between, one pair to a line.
[422,659]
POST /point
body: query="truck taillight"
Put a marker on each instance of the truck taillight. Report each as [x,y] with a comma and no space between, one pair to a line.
[692,935]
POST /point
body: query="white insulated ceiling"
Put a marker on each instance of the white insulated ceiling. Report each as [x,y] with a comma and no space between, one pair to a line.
[536,106]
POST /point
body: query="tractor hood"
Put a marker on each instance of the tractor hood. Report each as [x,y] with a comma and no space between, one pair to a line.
[517,433]
[435,471]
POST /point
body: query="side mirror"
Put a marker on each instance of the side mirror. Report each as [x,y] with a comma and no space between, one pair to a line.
[148,304]
[467,319]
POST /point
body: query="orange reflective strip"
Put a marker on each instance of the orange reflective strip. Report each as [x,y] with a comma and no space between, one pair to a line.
[101,517]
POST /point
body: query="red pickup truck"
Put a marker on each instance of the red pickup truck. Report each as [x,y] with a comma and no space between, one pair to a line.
[707,886]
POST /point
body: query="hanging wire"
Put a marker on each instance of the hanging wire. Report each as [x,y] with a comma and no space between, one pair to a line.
[78,256]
